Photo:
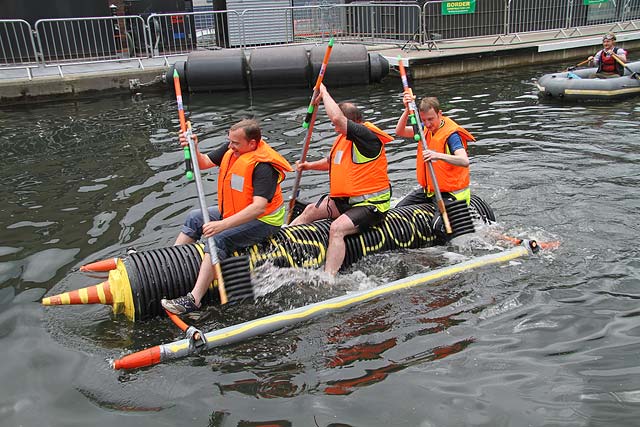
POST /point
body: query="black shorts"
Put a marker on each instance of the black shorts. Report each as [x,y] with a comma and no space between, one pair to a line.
[362,217]
[419,197]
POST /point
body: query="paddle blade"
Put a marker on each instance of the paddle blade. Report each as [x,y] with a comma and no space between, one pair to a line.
[460,220]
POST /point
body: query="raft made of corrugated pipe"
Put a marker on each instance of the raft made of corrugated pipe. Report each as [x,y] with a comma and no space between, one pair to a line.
[141,279]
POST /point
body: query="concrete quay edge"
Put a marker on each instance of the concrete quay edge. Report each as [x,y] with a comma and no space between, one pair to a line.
[36,83]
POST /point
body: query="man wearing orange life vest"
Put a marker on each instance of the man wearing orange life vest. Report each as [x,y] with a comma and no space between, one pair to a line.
[359,189]
[447,150]
[250,203]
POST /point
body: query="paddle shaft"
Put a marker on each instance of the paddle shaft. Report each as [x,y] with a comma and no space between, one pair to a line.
[309,120]
[414,117]
[582,63]
[186,130]
[579,64]
[316,89]
[634,74]
[296,183]
[187,154]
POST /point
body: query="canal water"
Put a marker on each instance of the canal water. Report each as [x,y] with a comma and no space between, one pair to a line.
[553,339]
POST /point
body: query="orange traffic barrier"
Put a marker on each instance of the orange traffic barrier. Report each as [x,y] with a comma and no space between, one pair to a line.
[97,294]
[102,265]
[140,359]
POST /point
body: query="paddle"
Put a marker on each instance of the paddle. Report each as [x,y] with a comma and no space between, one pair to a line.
[316,88]
[194,168]
[634,74]
[414,119]
[309,120]
[579,64]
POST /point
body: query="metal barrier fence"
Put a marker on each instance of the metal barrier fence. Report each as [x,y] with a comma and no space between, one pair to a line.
[378,23]
[537,15]
[81,40]
[116,38]
[17,45]
[488,19]
[631,12]
[569,16]
[179,33]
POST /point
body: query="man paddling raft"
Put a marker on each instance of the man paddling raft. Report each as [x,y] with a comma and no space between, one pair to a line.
[250,204]
[447,150]
[359,189]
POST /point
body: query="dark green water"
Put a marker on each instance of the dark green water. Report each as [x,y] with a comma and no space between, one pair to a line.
[549,340]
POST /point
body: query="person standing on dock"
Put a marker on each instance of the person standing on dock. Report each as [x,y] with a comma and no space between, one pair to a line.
[447,142]
[359,189]
[250,204]
[604,60]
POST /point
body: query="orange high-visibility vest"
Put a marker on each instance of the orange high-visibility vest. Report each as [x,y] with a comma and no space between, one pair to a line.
[450,177]
[235,183]
[351,174]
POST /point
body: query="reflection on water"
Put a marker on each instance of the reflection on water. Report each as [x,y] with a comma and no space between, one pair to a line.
[550,340]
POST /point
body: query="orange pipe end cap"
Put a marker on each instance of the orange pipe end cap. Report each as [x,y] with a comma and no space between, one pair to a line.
[140,359]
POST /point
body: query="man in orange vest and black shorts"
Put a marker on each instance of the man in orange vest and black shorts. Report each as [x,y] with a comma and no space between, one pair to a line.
[250,204]
[447,150]
[360,193]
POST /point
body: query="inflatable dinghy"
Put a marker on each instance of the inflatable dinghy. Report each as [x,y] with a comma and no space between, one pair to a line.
[583,85]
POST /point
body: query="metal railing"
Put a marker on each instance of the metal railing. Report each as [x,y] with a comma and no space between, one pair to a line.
[118,38]
[537,15]
[17,45]
[487,20]
[177,33]
[379,22]
[82,40]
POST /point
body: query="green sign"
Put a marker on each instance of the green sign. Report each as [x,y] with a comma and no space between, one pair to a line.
[588,2]
[459,7]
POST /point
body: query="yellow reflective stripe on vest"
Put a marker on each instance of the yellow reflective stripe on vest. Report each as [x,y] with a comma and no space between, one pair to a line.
[359,199]
[275,218]
[464,194]
[358,158]
[380,199]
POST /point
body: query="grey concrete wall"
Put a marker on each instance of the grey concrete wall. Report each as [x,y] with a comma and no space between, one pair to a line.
[493,60]
[499,59]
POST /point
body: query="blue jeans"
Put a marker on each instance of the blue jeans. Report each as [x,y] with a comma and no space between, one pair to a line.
[230,240]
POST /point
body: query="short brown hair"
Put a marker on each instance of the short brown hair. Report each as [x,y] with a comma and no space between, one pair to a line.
[428,103]
[351,111]
[250,127]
